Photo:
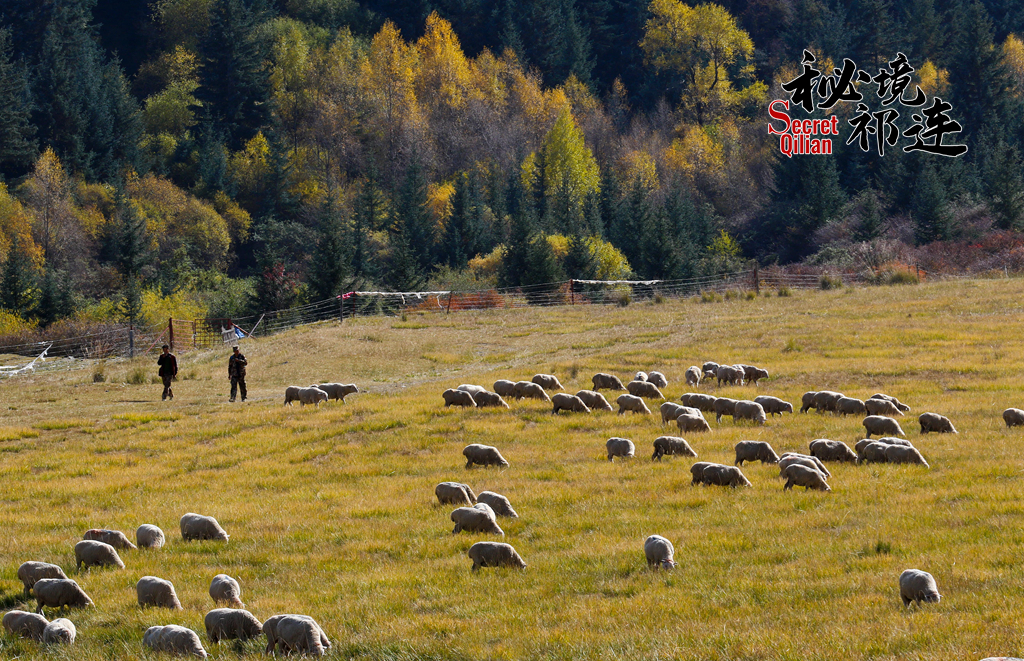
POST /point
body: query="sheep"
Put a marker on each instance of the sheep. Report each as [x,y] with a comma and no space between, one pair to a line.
[225,589]
[198,526]
[484,455]
[753,374]
[494,554]
[709,367]
[565,402]
[32,571]
[725,476]
[24,624]
[671,411]
[936,423]
[881,407]
[632,403]
[480,518]
[877,424]
[671,445]
[454,493]
[802,476]
[96,554]
[604,381]
[826,450]
[697,471]
[485,398]
[311,395]
[729,374]
[874,453]
[60,632]
[594,400]
[918,586]
[789,458]
[454,397]
[693,375]
[153,591]
[1013,417]
[688,423]
[230,624]
[530,390]
[295,633]
[747,410]
[547,382]
[657,379]
[773,405]
[807,401]
[58,593]
[644,389]
[900,405]
[755,451]
[826,400]
[724,406]
[901,454]
[620,447]
[659,552]
[850,406]
[885,440]
[291,394]
[337,390]
[148,536]
[498,503]
[115,538]
[697,400]
[471,389]
[174,639]
[505,388]
[640,376]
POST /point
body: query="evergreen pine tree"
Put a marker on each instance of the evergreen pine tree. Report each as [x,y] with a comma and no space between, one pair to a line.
[874,42]
[463,229]
[331,261]
[412,218]
[370,215]
[870,226]
[403,271]
[17,282]
[131,257]
[17,143]
[932,220]
[1004,186]
[55,301]
[634,219]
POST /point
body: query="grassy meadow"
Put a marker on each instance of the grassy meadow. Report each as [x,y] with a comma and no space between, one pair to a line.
[332,511]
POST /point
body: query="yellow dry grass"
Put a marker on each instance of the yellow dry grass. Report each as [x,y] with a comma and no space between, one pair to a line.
[331,512]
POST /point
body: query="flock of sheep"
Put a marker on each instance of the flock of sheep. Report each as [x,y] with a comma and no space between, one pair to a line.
[99,548]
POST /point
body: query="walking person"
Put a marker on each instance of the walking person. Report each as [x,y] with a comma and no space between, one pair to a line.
[168,370]
[236,372]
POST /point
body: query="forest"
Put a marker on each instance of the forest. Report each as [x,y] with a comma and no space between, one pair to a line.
[224,157]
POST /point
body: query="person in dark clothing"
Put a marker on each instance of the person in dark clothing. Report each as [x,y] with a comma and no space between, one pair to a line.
[168,370]
[236,372]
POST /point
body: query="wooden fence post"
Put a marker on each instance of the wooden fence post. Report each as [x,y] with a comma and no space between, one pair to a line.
[757,281]
[449,304]
[170,333]
[572,291]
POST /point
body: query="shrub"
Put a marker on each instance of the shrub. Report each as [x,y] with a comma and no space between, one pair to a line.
[138,376]
[659,299]
[750,295]
[883,548]
[784,291]
[791,345]
[99,374]
[731,294]
[623,299]
[710,297]
[902,278]
[830,282]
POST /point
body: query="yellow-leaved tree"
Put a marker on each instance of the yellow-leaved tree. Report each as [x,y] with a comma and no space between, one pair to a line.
[570,168]
[1013,55]
[444,73]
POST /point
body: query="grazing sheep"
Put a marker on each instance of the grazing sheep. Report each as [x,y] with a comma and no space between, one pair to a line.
[640,376]
[753,374]
[826,400]
[148,536]
[900,405]
[773,405]
[658,379]
[32,571]
[291,394]
[724,406]
[936,423]
[747,410]
[725,476]
[594,400]
[874,453]
[115,538]
[850,406]
[620,447]
[671,445]
[311,395]
[483,455]
[230,624]
[644,389]
[471,389]
[498,503]
[659,552]
[494,554]
[295,633]
[917,585]
[174,639]
[789,458]
[454,493]
[709,367]
[547,382]
[58,593]
[565,402]
[60,632]
[755,451]
[225,589]
[826,450]
[881,407]
[604,381]
[153,591]
[96,554]
[505,388]
[902,454]
[877,424]
[632,403]
[671,411]
[693,375]
[697,400]
[25,624]
[198,526]
[337,390]
[1013,417]
[802,476]
[807,401]
[479,518]
[729,374]
[454,397]
[697,471]
[885,440]
[688,423]
[530,390]
[485,398]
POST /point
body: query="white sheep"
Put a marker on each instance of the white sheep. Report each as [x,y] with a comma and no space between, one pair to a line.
[153,591]
[644,389]
[494,554]
[174,639]
[337,390]
[500,504]
[530,390]
[620,447]
[659,552]
[485,398]
[899,405]
[58,593]
[918,586]
[773,405]
[604,381]
[454,397]
[225,589]
[672,446]
[827,450]
[25,624]
[311,395]
[755,451]
[804,476]
[747,410]
[594,400]
[295,633]
[505,388]
[60,632]
[230,624]
[693,375]
[96,554]
[198,526]
[115,538]
[32,571]
[565,402]
[850,406]
[877,424]
[657,379]
[688,423]
[471,388]
[632,403]
[148,536]
[479,518]
[881,407]
[454,493]
[483,455]
[936,423]
[547,382]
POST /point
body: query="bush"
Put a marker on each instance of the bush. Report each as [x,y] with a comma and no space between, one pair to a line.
[138,376]
[710,297]
[99,374]
[750,295]
[785,292]
[830,282]
[902,278]
[731,294]
[659,299]
[623,299]
[791,345]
